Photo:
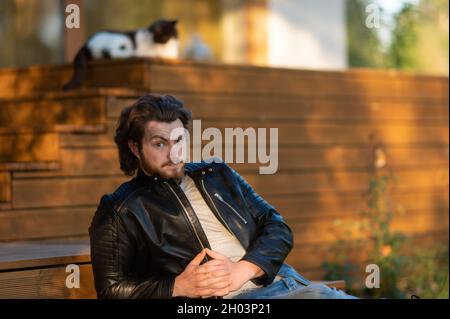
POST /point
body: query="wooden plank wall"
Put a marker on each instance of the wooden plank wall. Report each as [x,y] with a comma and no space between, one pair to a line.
[329,124]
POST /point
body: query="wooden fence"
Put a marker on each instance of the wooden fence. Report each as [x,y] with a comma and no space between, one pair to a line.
[57,155]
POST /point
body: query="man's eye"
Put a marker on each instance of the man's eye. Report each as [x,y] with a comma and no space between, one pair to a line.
[160,145]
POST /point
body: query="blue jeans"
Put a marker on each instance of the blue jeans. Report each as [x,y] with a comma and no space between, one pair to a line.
[291,285]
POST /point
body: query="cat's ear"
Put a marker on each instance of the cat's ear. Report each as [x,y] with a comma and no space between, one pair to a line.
[156,28]
[174,22]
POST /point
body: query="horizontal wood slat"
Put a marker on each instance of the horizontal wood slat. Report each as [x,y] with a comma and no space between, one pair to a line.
[38,253]
[148,74]
[229,107]
[182,78]
[82,162]
[47,283]
[134,76]
[74,221]
[23,82]
[52,115]
[62,191]
[297,133]
[30,166]
[323,206]
[50,192]
[296,183]
[45,222]
[105,161]
[328,133]
[29,148]
[340,228]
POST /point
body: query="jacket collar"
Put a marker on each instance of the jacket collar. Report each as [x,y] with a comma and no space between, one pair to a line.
[193,170]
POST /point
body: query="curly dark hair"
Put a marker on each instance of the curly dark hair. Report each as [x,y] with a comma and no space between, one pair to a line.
[133,119]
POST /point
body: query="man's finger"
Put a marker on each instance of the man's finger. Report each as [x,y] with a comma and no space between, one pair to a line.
[213,275]
[215,254]
[214,283]
[198,259]
[220,292]
[212,263]
[212,271]
[220,272]
[206,293]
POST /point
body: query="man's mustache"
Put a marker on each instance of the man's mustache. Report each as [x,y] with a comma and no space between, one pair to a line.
[172,163]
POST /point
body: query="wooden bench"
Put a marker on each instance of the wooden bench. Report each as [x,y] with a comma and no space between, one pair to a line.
[38,269]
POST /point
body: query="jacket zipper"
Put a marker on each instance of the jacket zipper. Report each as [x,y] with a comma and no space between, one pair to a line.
[187,215]
[217,195]
[217,211]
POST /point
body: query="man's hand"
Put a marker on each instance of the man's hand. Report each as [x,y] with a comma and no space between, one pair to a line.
[240,272]
[209,279]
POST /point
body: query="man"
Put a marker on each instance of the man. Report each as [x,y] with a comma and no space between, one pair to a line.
[193,230]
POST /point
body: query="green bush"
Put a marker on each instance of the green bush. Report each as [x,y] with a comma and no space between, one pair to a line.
[405,270]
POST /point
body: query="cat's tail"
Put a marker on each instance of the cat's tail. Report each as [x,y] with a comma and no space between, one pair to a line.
[80,64]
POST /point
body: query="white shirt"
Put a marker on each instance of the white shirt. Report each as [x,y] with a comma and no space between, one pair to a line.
[220,239]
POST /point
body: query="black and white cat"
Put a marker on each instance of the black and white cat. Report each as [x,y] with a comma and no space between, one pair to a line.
[160,40]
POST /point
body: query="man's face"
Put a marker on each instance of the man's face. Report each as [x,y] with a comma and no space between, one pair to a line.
[159,140]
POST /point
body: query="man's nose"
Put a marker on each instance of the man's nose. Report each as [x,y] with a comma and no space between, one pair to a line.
[176,152]
[169,151]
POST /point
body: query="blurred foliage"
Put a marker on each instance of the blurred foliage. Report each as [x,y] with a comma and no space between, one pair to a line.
[386,243]
[402,52]
[429,273]
[419,37]
[405,269]
[30,32]
[364,45]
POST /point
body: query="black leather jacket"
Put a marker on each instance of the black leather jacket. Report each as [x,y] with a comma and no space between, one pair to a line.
[145,233]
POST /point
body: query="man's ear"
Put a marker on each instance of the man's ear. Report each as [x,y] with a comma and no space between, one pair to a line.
[133,147]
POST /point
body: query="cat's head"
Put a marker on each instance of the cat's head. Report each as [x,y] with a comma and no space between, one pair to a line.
[164,30]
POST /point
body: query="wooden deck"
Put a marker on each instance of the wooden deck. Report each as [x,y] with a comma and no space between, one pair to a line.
[37,269]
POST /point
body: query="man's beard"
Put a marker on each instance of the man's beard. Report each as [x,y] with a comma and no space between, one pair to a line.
[177,174]
[178,171]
